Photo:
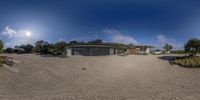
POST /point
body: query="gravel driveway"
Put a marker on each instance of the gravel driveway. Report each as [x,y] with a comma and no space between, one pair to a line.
[131,77]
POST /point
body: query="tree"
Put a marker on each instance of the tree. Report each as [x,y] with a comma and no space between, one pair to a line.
[8,50]
[19,50]
[42,46]
[28,48]
[193,45]
[97,41]
[1,46]
[73,42]
[168,47]
[60,47]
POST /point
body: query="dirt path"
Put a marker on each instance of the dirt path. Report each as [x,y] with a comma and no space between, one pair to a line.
[105,78]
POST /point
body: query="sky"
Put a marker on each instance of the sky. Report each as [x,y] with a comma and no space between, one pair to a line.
[140,22]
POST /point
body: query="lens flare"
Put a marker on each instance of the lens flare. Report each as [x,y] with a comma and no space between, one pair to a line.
[28,33]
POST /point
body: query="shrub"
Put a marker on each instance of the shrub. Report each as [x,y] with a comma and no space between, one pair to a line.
[8,50]
[19,50]
[28,48]
[59,47]
[178,52]
[1,46]
[188,62]
[42,47]
[2,60]
[6,60]
[193,45]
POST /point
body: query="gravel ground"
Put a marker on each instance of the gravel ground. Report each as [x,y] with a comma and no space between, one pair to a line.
[131,77]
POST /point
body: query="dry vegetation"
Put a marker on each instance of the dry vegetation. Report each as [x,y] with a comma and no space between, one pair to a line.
[2,60]
[188,62]
[6,60]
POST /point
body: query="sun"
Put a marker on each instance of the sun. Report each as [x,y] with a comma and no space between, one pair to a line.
[28,33]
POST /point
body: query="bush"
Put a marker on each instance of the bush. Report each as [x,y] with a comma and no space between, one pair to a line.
[42,47]
[19,50]
[2,60]
[178,52]
[59,48]
[28,48]
[191,62]
[8,50]
[6,60]
[193,45]
[1,46]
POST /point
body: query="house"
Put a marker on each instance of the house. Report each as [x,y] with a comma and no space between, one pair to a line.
[157,52]
[93,50]
[140,49]
[105,49]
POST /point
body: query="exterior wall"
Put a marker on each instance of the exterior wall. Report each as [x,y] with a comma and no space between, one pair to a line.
[111,51]
[127,51]
[68,51]
[134,50]
[167,52]
[121,51]
[94,51]
[116,51]
[147,50]
[139,50]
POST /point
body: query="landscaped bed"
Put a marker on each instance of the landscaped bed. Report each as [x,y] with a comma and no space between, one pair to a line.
[6,60]
[186,61]
[2,60]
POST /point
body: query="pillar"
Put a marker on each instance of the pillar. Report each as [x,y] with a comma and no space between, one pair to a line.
[147,50]
[69,51]
[116,51]
[111,51]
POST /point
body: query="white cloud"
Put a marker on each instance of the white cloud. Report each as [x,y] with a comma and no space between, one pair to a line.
[15,37]
[163,40]
[118,37]
[123,39]
[12,33]
[60,39]
[13,43]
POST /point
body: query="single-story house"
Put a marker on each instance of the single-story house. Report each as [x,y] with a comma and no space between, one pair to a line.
[93,50]
[105,49]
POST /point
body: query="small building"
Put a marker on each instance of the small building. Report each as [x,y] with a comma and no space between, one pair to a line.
[93,50]
[141,49]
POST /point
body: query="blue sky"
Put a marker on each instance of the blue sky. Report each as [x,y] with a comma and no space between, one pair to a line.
[153,22]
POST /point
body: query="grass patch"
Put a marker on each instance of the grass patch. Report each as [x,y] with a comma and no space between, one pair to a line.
[191,62]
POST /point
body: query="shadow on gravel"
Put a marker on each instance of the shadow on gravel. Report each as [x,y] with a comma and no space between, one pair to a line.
[59,56]
[167,57]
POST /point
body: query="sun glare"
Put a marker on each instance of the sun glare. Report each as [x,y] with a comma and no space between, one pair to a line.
[28,33]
